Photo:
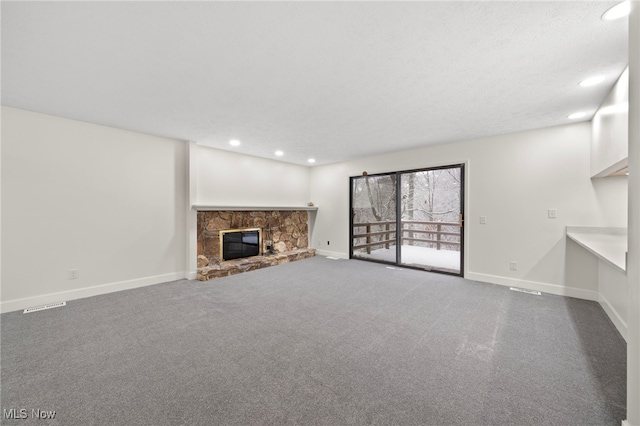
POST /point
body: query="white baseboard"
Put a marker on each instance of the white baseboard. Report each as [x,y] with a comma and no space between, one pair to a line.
[534,285]
[64,296]
[332,253]
[615,318]
[192,275]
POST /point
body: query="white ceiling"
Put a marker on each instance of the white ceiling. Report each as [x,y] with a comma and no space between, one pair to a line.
[329,80]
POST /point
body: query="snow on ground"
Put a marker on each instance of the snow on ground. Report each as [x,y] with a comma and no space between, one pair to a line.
[448,260]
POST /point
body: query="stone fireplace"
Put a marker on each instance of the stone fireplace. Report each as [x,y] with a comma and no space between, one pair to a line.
[285,238]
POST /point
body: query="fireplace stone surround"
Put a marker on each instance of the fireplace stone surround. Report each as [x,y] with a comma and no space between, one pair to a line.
[285,238]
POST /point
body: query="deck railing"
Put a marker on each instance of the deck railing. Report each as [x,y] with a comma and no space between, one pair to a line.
[414,232]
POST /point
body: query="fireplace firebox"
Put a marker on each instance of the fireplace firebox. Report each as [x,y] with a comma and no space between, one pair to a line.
[239,243]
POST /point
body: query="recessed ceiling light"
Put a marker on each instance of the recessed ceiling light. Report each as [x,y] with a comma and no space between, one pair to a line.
[311,160]
[279,153]
[620,10]
[234,142]
[592,81]
[577,115]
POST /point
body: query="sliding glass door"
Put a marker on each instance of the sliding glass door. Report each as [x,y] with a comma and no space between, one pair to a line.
[373,221]
[411,218]
[431,219]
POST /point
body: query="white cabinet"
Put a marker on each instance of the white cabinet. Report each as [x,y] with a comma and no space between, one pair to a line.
[610,131]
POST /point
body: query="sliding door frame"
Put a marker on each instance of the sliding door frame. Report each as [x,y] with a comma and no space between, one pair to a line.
[352,212]
[398,174]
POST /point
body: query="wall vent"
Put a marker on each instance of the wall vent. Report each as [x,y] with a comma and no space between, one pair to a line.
[333,258]
[524,290]
[42,308]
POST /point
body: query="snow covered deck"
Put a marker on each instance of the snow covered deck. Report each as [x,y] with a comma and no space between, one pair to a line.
[422,257]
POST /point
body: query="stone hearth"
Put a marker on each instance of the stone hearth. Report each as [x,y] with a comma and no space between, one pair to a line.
[287,232]
[236,266]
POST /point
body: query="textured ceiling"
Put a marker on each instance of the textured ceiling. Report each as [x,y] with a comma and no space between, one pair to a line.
[329,80]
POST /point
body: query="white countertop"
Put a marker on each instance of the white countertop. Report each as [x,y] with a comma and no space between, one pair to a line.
[609,244]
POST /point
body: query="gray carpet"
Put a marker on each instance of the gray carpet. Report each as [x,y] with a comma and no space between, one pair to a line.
[317,342]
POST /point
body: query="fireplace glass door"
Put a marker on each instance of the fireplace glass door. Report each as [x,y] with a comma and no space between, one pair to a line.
[239,243]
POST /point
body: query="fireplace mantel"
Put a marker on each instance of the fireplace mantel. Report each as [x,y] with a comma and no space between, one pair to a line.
[208,208]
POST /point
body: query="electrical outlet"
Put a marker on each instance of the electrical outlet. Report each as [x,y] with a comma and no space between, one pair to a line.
[483,220]
[552,213]
[74,274]
[513,265]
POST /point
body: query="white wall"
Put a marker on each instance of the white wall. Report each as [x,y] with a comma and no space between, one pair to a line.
[1,244]
[226,178]
[512,180]
[633,258]
[108,202]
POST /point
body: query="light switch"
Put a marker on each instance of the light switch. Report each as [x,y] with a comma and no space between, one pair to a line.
[552,213]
